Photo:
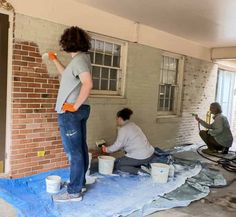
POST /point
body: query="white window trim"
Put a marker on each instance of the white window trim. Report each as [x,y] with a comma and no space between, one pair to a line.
[9,91]
[123,65]
[178,101]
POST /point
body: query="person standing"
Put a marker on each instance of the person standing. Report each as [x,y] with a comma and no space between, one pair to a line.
[218,137]
[73,108]
[130,138]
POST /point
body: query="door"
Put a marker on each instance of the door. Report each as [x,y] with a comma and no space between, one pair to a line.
[4,24]
[225,92]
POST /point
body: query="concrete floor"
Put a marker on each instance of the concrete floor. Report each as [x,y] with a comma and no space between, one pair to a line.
[216,204]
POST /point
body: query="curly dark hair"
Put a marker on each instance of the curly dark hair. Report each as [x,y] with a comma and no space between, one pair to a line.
[75,39]
[125,113]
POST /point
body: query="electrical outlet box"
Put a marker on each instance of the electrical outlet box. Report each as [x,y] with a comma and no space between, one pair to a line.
[41,153]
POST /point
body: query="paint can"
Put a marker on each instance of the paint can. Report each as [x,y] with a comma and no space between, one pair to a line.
[105,164]
[53,184]
[160,172]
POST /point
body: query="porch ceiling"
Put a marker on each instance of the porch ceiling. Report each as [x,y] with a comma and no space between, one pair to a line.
[210,23]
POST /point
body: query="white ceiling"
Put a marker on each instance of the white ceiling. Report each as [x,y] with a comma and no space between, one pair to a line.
[211,23]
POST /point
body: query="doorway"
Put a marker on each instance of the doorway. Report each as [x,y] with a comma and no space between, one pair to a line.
[4,26]
[226,96]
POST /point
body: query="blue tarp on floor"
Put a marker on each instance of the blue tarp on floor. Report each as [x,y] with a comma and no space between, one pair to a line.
[109,196]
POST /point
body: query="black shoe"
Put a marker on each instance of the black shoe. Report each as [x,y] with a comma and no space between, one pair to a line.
[225,150]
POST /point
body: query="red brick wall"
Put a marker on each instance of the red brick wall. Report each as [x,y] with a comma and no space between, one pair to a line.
[34,121]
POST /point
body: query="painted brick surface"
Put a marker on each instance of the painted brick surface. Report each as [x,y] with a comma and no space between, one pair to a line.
[34,121]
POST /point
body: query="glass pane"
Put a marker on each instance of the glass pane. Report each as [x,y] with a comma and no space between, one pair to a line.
[105,73]
[99,46]
[104,84]
[117,49]
[108,48]
[92,44]
[113,85]
[107,60]
[161,104]
[116,61]
[165,62]
[172,64]
[171,77]
[99,58]
[91,56]
[172,92]
[113,73]
[96,72]
[95,84]
[164,76]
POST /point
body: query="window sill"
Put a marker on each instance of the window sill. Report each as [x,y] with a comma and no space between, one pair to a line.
[168,119]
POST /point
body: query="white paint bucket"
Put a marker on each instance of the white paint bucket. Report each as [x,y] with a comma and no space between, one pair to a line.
[160,172]
[53,184]
[89,165]
[105,164]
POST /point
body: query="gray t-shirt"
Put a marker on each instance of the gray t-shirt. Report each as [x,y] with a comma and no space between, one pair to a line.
[70,83]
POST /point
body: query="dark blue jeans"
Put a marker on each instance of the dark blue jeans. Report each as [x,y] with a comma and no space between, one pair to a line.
[73,133]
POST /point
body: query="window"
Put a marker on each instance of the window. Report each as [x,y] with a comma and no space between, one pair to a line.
[170,86]
[108,66]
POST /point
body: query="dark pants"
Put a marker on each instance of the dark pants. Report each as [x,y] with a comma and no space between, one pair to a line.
[131,165]
[211,143]
[73,133]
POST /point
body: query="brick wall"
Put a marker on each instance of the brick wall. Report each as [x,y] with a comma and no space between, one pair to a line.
[34,121]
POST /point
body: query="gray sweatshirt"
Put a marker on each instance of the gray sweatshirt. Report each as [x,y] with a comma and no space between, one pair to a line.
[220,130]
[132,140]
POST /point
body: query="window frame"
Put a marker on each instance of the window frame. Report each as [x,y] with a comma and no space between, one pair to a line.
[178,87]
[121,75]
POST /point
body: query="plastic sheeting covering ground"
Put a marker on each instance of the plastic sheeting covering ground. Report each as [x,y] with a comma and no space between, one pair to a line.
[109,196]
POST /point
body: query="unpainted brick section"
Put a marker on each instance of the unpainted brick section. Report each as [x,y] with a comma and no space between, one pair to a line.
[34,121]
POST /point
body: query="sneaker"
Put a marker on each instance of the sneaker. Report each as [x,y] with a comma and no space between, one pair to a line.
[209,151]
[65,185]
[66,197]
[225,150]
[146,169]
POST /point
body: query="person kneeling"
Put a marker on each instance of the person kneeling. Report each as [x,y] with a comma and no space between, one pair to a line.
[135,144]
[218,137]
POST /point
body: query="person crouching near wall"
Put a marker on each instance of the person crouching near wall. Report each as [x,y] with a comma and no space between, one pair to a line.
[135,144]
[218,137]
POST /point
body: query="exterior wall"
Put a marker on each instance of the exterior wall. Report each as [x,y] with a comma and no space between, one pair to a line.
[34,122]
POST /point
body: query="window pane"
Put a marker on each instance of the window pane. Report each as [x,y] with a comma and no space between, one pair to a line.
[117,49]
[116,61]
[104,84]
[113,85]
[92,44]
[164,76]
[91,56]
[171,77]
[113,73]
[95,84]
[105,73]
[99,46]
[96,72]
[108,48]
[107,61]
[99,58]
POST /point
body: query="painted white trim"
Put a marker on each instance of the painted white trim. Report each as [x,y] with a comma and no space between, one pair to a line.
[9,91]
